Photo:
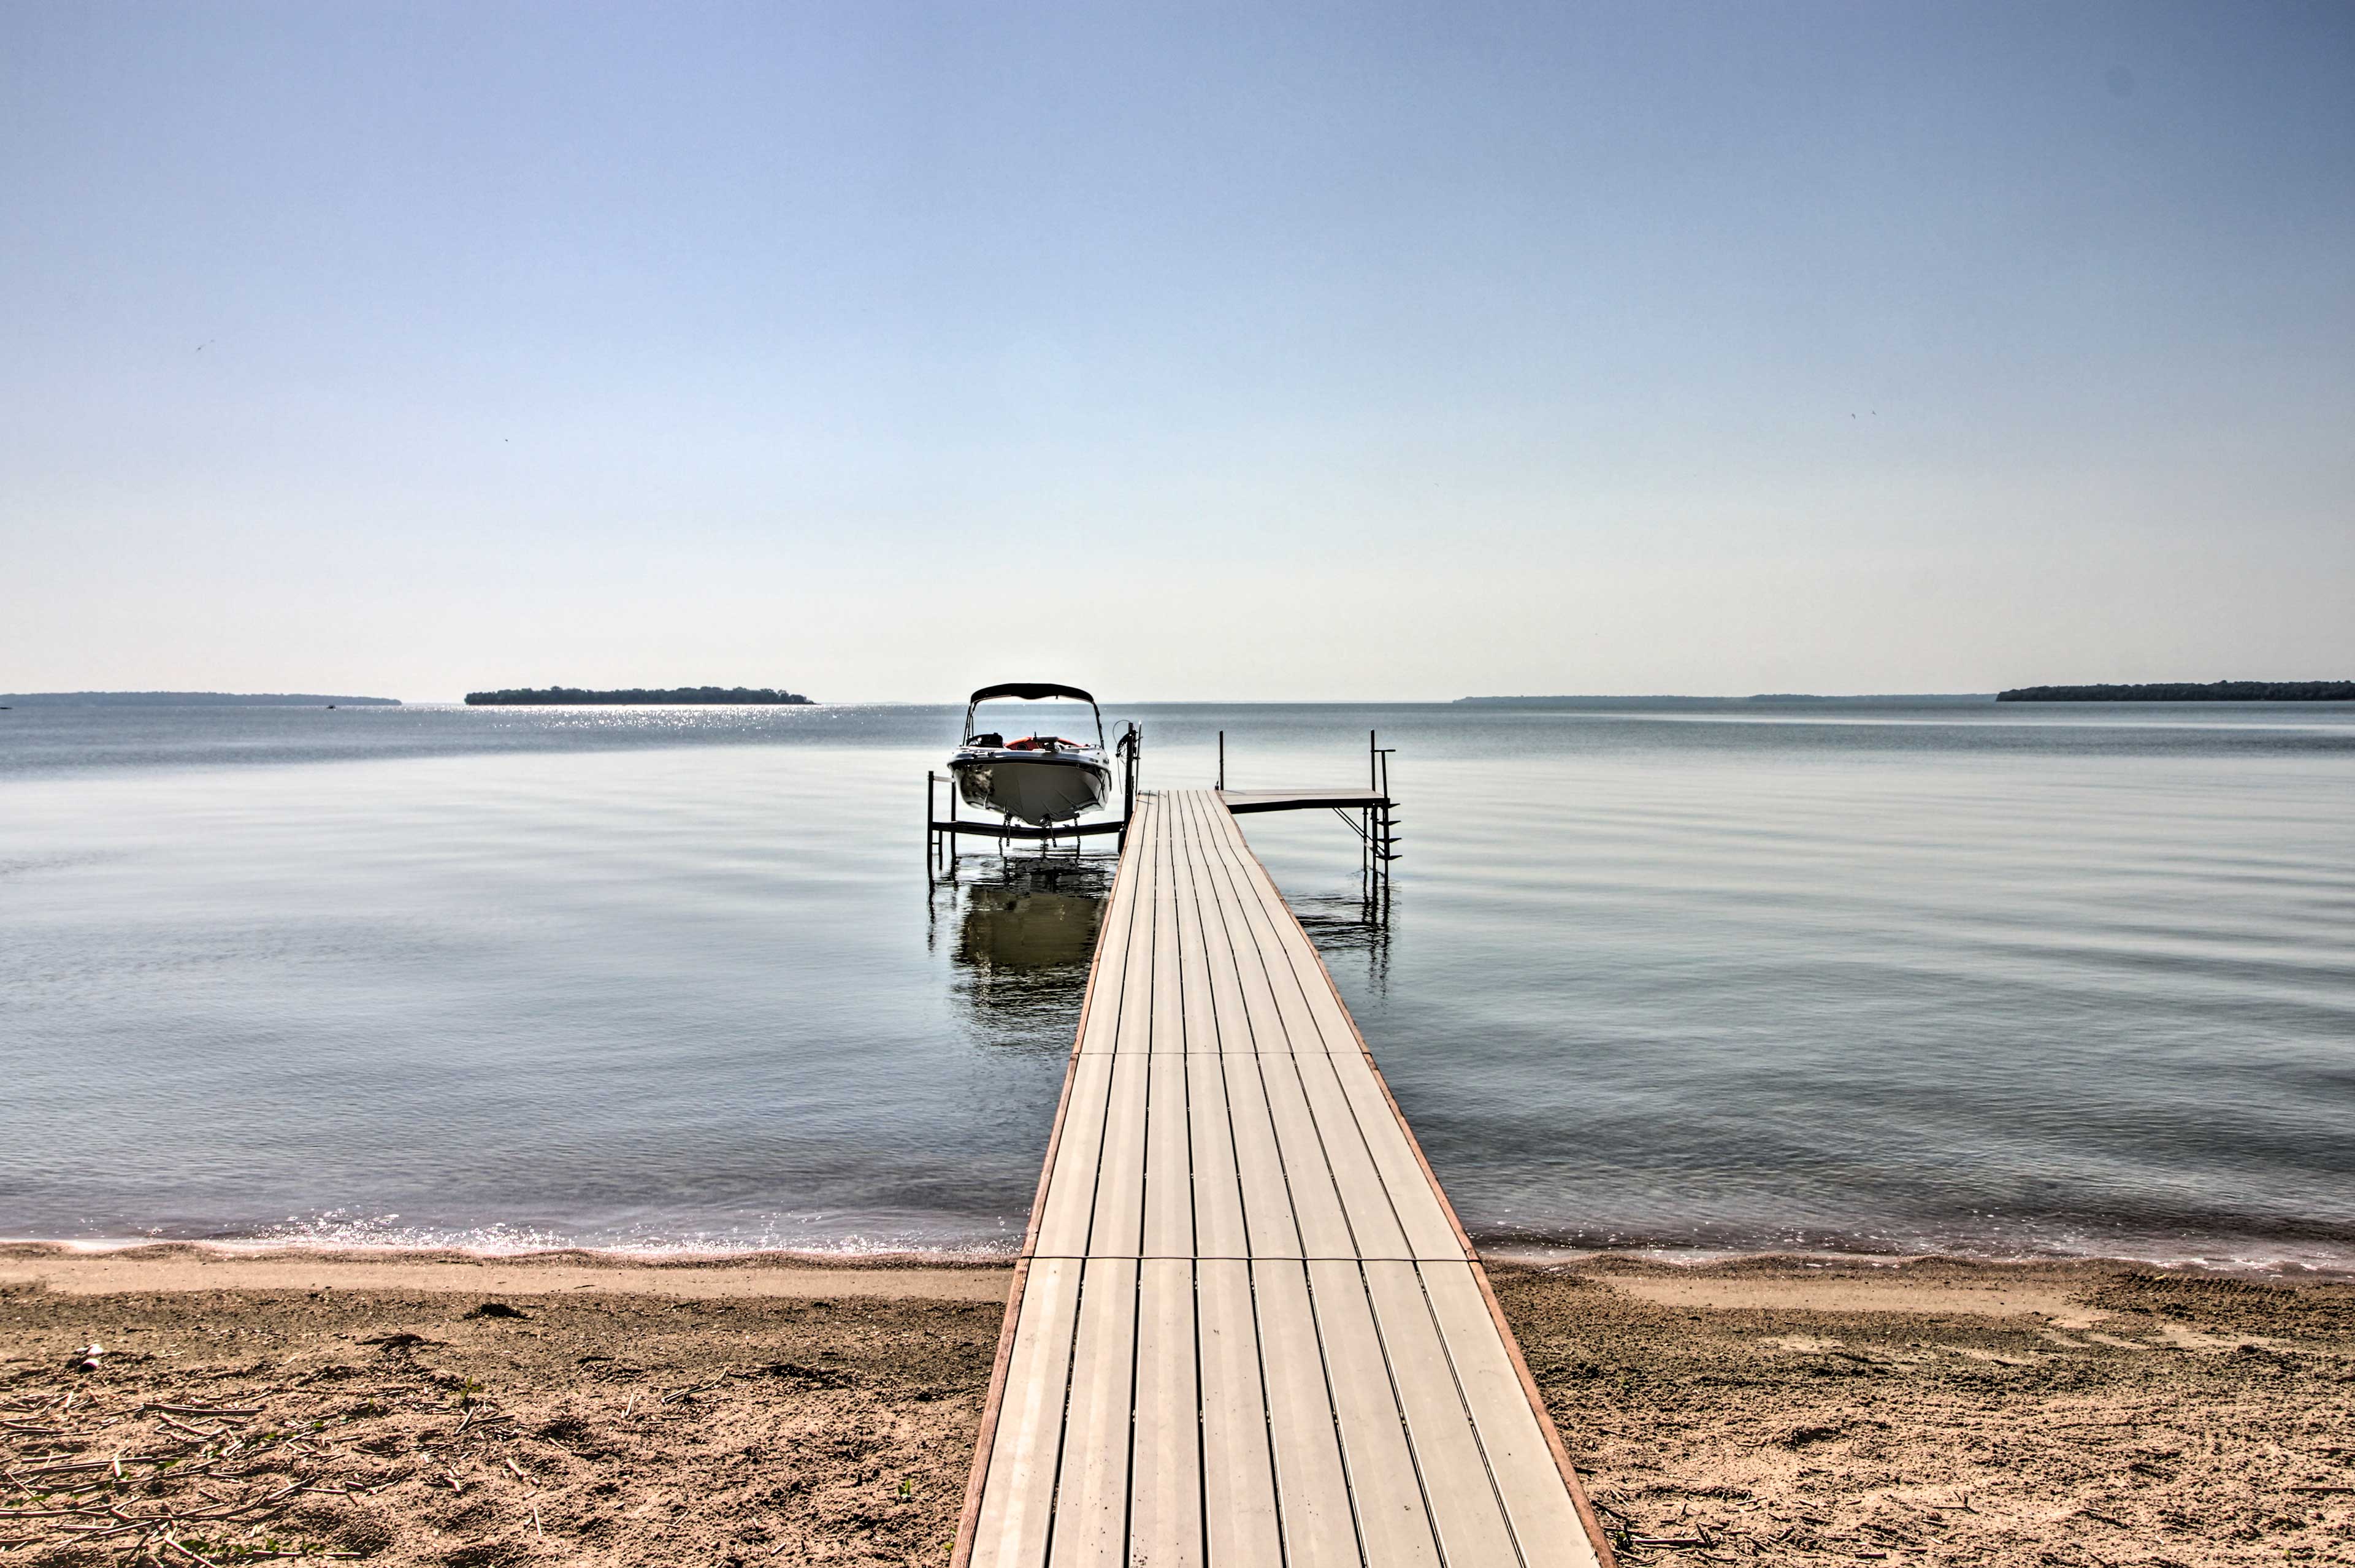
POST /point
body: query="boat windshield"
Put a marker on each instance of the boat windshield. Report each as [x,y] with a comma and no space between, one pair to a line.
[1011,711]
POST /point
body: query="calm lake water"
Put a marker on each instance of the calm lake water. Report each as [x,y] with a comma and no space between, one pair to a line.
[2000,981]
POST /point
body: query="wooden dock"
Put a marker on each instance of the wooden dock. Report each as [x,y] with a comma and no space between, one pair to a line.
[1246,1328]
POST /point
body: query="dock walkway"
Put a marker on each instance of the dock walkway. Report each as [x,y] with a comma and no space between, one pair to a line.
[1246,1328]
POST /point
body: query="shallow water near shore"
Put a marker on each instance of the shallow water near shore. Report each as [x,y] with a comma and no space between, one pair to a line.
[1887,977]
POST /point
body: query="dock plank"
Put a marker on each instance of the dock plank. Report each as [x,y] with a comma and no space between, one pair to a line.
[1249,940]
[1374,1230]
[1223,932]
[1299,954]
[1315,1202]
[1101,1022]
[1117,1228]
[1428,1232]
[1164,1509]
[1392,1522]
[1091,1522]
[1219,958]
[1466,1512]
[1193,951]
[1168,1159]
[1271,1224]
[1312,1488]
[1069,1208]
[1171,894]
[1010,1530]
[1134,1032]
[1238,1472]
[1218,1227]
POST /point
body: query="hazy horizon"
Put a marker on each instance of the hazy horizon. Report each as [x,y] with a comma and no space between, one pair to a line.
[128,698]
[1301,352]
[60,694]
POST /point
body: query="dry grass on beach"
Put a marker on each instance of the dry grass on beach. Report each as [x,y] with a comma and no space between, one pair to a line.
[446,1412]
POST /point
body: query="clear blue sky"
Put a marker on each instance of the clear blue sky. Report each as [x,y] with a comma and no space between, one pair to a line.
[1260,352]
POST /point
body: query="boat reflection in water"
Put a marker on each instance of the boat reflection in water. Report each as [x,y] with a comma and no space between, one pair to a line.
[1022,940]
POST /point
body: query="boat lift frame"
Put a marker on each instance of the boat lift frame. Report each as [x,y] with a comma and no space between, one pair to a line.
[1370,813]
[941,833]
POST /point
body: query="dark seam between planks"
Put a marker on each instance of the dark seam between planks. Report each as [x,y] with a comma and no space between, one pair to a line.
[1333,1408]
[1406,1423]
[1463,1403]
[1267,1413]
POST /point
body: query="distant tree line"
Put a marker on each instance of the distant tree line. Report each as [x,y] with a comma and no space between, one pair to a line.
[2214,691]
[189,699]
[561,696]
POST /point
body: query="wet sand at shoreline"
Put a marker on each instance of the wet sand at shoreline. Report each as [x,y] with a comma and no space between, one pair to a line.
[446,1409]
[179,1266]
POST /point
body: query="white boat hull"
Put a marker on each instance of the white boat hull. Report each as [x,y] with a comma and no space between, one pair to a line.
[1041,790]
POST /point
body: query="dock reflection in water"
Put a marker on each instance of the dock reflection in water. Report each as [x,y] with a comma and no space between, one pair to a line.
[1024,930]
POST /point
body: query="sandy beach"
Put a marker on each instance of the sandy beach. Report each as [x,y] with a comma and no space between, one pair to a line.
[1783,1411]
[444,1409]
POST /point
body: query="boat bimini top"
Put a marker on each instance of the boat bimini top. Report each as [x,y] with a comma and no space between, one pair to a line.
[1030,691]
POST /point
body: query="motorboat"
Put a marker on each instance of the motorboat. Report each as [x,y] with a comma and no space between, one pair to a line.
[1038,779]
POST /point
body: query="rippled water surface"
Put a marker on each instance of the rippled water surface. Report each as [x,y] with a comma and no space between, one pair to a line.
[1985,979]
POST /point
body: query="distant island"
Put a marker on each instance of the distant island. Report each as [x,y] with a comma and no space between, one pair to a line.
[187,699]
[2214,691]
[571,696]
[1665,701]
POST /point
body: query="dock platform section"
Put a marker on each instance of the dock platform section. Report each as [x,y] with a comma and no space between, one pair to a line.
[1243,802]
[1246,1328]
